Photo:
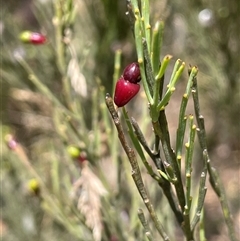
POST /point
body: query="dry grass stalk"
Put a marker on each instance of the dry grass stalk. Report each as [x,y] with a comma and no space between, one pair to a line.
[89,202]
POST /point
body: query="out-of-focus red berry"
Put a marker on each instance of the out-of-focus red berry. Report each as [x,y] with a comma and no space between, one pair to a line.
[32,37]
[11,142]
[82,157]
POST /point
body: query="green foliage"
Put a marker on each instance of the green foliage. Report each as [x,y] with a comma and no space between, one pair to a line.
[53,102]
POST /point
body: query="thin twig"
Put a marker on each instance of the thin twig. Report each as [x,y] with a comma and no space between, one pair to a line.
[213,174]
[138,148]
[136,174]
[155,157]
[161,129]
[145,224]
[163,183]
[148,67]
[201,193]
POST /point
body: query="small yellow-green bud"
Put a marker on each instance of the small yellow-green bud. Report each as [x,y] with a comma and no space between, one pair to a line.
[73,151]
[33,186]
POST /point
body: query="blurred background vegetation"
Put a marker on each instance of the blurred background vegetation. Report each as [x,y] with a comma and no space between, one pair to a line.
[202,33]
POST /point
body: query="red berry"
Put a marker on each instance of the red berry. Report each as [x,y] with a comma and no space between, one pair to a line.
[11,142]
[124,92]
[82,157]
[33,38]
[37,38]
[132,73]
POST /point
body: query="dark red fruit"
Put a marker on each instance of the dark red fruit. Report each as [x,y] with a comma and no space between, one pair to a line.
[33,38]
[132,73]
[124,91]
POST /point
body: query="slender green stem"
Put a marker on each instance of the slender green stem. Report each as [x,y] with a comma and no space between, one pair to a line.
[113,142]
[135,5]
[148,67]
[202,236]
[187,230]
[156,46]
[145,224]
[60,49]
[44,89]
[188,161]
[165,185]
[201,193]
[139,47]
[138,147]
[117,66]
[158,79]
[188,174]
[171,159]
[55,176]
[161,129]
[213,174]
[175,69]
[220,191]
[155,156]
[180,137]
[61,23]
[172,200]
[146,23]
[182,118]
[178,69]
[95,144]
[130,14]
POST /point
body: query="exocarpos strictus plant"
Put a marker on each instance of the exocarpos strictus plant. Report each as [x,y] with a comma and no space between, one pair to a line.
[64,174]
[172,165]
